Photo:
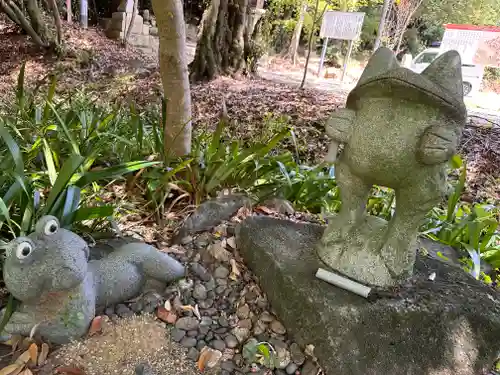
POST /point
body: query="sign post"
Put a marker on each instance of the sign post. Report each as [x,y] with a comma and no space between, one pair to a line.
[323,53]
[343,26]
[479,45]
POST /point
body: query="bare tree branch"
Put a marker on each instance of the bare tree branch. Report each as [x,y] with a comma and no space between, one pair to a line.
[397,21]
[57,20]
[23,22]
[9,12]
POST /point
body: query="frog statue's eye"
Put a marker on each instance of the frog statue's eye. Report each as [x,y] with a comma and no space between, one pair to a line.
[23,250]
[51,227]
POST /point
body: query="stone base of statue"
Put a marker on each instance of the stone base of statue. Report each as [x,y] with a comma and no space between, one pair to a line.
[363,255]
[447,326]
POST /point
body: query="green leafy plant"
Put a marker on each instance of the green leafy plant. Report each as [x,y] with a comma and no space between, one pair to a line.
[260,352]
[470,228]
[49,163]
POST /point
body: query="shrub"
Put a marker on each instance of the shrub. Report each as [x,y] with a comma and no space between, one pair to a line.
[48,160]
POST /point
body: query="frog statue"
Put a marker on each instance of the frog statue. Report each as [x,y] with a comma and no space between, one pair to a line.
[59,289]
[399,129]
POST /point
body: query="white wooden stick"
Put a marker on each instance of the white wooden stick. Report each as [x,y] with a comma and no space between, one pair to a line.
[343,282]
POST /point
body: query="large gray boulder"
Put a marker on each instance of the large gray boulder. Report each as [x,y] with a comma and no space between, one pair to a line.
[442,327]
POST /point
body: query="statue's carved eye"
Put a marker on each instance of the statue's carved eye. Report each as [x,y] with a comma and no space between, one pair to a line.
[23,250]
[51,227]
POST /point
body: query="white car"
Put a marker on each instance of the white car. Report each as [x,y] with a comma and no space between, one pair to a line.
[472,75]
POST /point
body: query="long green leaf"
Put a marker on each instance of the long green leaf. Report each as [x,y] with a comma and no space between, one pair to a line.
[90,213]
[9,310]
[20,88]
[49,161]
[67,171]
[64,127]
[50,97]
[113,172]
[14,149]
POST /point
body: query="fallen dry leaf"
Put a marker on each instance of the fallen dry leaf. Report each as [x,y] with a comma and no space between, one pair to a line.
[26,371]
[95,326]
[231,241]
[23,358]
[69,371]
[264,209]
[217,251]
[33,331]
[33,350]
[235,272]
[168,305]
[174,249]
[11,369]
[166,316]
[208,358]
[44,352]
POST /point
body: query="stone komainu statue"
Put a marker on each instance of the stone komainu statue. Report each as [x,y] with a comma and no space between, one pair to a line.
[59,289]
[399,129]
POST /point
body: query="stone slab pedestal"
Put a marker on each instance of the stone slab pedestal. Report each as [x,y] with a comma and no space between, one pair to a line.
[449,326]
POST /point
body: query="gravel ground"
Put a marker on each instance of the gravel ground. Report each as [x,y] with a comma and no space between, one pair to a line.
[121,347]
[214,317]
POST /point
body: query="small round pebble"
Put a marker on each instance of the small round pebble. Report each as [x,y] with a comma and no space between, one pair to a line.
[200,271]
[177,334]
[199,292]
[123,311]
[137,307]
[193,354]
[291,368]
[277,327]
[192,333]
[228,366]
[206,321]
[207,303]
[298,356]
[223,322]
[266,317]
[188,342]
[243,312]
[200,344]
[221,272]
[218,344]
[231,341]
[109,310]
[210,284]
[187,323]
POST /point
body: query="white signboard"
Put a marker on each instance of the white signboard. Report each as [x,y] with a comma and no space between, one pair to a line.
[476,44]
[342,25]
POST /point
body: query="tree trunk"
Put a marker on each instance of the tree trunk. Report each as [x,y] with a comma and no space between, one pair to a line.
[69,12]
[294,44]
[14,12]
[223,40]
[36,20]
[204,62]
[239,30]
[174,74]
[57,20]
[131,24]
[4,7]
[381,25]
[309,44]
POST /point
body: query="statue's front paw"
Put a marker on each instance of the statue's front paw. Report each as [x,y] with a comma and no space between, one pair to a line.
[20,323]
[437,145]
[399,257]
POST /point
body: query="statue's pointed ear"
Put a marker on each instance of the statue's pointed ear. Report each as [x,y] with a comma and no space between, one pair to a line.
[381,61]
[446,71]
